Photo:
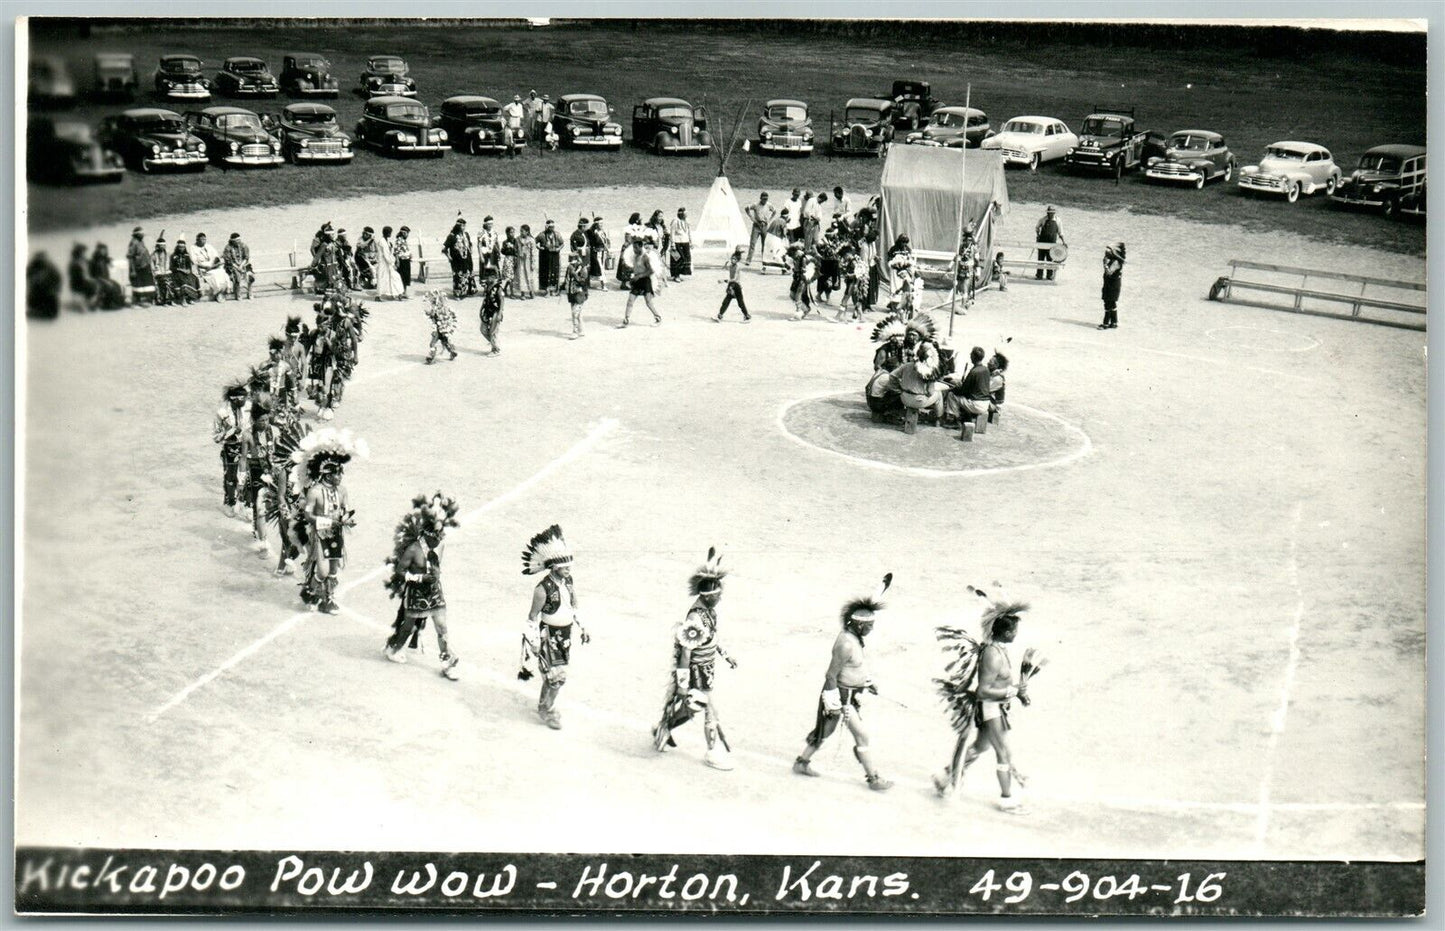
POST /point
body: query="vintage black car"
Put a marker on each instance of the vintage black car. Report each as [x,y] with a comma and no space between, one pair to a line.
[246,77]
[671,126]
[235,137]
[1389,178]
[179,78]
[151,139]
[50,82]
[1192,156]
[307,74]
[400,126]
[1111,143]
[584,121]
[66,152]
[474,124]
[953,128]
[310,134]
[866,127]
[913,103]
[386,76]
[784,128]
[115,75]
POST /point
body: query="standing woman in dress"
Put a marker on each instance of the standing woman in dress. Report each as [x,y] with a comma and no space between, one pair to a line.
[388,279]
[526,262]
[1113,285]
[401,248]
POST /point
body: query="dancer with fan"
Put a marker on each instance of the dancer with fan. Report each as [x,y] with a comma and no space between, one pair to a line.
[847,678]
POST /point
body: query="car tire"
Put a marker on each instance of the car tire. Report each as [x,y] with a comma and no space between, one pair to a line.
[1229,171]
[1199,180]
[1291,193]
[1036,161]
[1330,185]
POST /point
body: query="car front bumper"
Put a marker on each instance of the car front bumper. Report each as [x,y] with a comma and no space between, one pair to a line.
[104,173]
[785,145]
[264,90]
[317,92]
[596,142]
[240,160]
[1173,173]
[1090,161]
[185,160]
[418,148]
[187,94]
[691,149]
[1264,185]
[315,155]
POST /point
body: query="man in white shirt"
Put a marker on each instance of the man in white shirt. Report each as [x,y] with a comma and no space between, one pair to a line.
[680,232]
[795,217]
[513,113]
[842,205]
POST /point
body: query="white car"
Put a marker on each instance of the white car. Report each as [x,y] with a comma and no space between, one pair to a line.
[1032,140]
[1290,169]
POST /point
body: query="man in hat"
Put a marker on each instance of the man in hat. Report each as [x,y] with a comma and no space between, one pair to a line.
[734,288]
[532,113]
[599,244]
[695,652]
[679,234]
[229,427]
[1113,285]
[549,259]
[986,702]
[237,259]
[547,634]
[846,679]
[544,120]
[457,247]
[513,113]
[142,277]
[1047,230]
[761,215]
[577,285]
[645,270]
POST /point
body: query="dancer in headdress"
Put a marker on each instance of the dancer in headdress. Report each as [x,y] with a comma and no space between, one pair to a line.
[317,467]
[444,324]
[847,678]
[695,653]
[547,634]
[280,497]
[882,392]
[294,351]
[259,441]
[228,430]
[917,377]
[494,284]
[416,578]
[978,690]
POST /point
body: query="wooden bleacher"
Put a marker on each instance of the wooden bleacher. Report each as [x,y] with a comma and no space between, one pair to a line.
[1395,300]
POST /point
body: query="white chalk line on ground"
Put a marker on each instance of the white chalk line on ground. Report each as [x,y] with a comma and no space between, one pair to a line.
[1281,713]
[1110,344]
[1084,449]
[1313,343]
[780,764]
[581,447]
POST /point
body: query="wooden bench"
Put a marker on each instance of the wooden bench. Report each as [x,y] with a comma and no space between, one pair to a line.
[1032,262]
[1224,290]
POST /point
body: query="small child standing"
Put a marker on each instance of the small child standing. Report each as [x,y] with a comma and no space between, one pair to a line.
[444,324]
[735,288]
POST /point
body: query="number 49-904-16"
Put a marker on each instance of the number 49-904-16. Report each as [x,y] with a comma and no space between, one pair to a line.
[1020,885]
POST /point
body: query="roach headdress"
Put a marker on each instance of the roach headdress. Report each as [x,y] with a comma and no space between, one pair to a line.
[430,516]
[890,327]
[997,609]
[869,606]
[708,578]
[545,550]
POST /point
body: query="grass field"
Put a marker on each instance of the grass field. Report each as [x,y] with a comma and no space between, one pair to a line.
[1343,102]
[1229,576]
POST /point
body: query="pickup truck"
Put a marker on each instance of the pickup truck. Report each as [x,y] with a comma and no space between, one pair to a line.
[1111,143]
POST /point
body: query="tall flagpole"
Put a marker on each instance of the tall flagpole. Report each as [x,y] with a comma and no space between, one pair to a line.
[962,193]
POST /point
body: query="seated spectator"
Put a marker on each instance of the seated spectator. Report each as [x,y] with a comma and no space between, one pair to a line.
[185,286]
[971,395]
[42,288]
[82,285]
[110,295]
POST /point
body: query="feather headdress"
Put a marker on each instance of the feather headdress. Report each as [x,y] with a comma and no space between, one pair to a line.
[430,515]
[997,608]
[708,578]
[545,550]
[237,390]
[323,450]
[869,605]
[923,325]
[293,326]
[890,327]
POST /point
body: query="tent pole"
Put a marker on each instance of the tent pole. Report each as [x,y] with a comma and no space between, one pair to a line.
[962,193]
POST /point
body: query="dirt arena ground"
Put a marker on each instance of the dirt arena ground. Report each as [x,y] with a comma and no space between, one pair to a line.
[1217,513]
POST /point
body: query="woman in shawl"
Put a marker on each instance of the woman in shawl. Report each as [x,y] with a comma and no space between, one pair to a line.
[82,285]
[388,279]
[111,295]
[509,262]
[211,268]
[185,286]
[526,262]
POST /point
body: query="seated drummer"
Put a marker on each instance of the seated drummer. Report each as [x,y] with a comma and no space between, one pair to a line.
[971,395]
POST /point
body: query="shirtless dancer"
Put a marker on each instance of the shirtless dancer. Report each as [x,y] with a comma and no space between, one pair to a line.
[547,633]
[416,578]
[846,678]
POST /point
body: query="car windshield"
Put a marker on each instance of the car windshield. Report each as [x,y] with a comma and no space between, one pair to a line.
[1284,155]
[248,67]
[477,111]
[312,119]
[787,113]
[401,111]
[388,65]
[588,108]
[183,65]
[1189,143]
[1104,126]
[316,62]
[1372,161]
[861,115]
[235,121]
[674,113]
[1022,126]
[948,120]
[72,132]
[159,124]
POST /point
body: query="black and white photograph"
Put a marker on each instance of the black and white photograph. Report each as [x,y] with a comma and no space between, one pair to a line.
[760,460]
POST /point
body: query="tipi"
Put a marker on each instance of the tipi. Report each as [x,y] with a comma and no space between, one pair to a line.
[721,226]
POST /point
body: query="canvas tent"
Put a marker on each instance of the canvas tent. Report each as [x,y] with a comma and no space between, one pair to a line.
[721,225]
[926,187]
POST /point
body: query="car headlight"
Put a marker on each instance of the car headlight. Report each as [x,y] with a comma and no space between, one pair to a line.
[1154,160]
[441,135]
[1249,169]
[1378,188]
[275,147]
[673,130]
[155,149]
[1072,150]
[767,134]
[345,142]
[235,147]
